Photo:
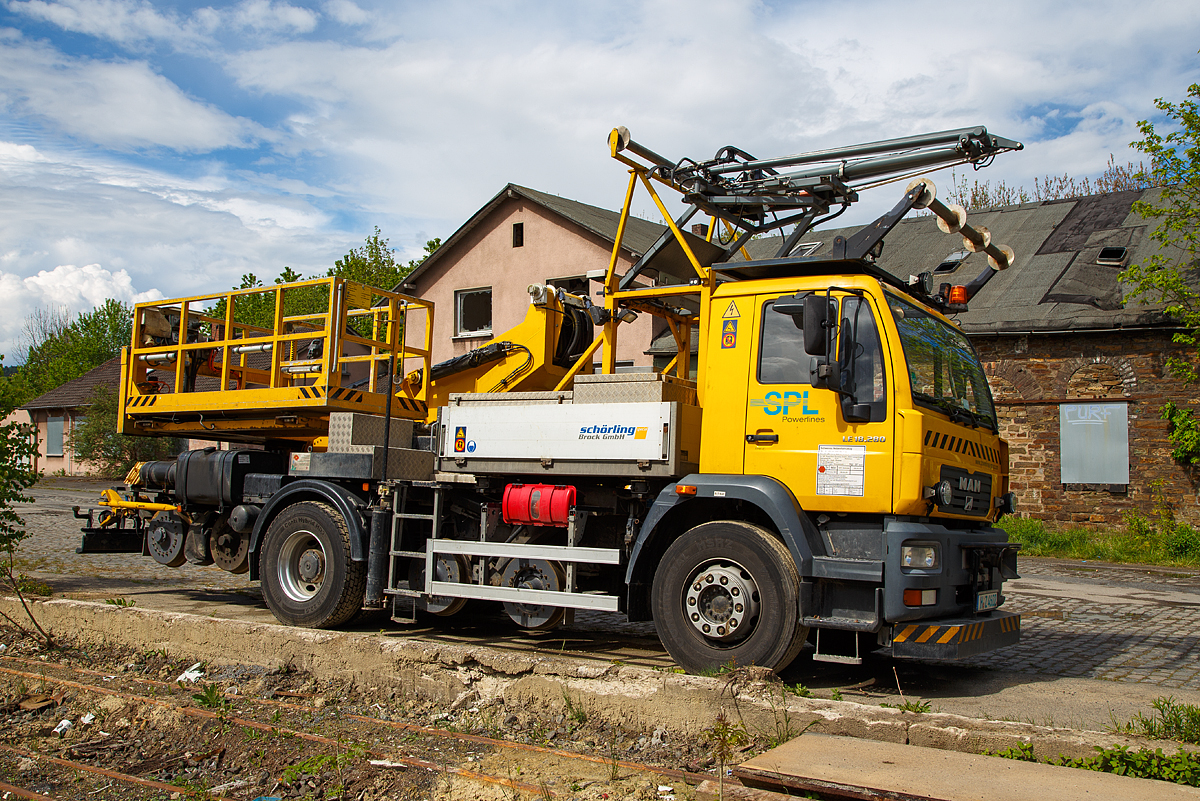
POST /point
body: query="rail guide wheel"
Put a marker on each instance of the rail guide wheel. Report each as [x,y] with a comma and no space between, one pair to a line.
[534,574]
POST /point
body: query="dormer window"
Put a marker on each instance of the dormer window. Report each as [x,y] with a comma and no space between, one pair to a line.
[951,262]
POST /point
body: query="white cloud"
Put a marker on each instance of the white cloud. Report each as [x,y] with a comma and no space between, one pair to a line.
[127,22]
[274,16]
[67,286]
[118,104]
[117,20]
[346,12]
[146,229]
[410,115]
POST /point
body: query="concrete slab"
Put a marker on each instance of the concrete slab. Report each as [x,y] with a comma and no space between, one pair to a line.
[872,769]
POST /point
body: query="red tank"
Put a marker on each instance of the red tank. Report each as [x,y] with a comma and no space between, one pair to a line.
[538,504]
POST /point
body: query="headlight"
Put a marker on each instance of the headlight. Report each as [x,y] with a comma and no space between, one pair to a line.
[945,493]
[926,556]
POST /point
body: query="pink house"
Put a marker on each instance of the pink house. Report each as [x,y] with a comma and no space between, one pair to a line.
[56,412]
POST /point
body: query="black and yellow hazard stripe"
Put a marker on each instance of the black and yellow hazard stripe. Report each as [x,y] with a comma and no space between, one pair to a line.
[956,633]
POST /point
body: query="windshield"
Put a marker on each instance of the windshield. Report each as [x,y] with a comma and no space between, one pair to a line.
[942,366]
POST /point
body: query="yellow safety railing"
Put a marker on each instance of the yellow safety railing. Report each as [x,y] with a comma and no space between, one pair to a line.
[324,342]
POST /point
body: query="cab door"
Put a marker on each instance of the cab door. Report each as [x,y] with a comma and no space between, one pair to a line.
[799,435]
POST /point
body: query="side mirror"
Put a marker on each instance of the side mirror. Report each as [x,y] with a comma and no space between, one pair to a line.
[816,320]
[793,306]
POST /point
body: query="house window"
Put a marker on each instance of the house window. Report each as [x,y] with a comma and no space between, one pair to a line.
[1094,439]
[805,249]
[473,312]
[54,436]
[951,262]
[518,235]
[1111,257]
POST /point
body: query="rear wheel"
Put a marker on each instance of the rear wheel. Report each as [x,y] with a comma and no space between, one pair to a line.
[728,591]
[308,578]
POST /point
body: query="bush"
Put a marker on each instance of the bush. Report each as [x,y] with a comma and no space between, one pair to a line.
[1183,543]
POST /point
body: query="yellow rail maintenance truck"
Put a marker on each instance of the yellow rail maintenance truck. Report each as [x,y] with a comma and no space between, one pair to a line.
[834,467]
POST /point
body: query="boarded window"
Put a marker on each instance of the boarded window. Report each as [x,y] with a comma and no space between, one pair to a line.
[1094,440]
[54,436]
[473,312]
[518,235]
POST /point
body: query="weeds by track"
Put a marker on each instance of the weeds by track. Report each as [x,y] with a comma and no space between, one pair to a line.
[241,715]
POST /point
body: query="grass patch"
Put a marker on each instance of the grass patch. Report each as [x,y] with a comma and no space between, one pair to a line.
[32,586]
[1171,720]
[1180,768]
[1140,540]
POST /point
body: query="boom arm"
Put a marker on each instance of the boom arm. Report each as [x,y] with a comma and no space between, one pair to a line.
[751,196]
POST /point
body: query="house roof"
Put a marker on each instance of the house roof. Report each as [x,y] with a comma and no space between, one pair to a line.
[639,234]
[78,392]
[1056,282]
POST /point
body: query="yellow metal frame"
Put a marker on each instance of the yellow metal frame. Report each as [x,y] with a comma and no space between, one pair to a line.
[300,390]
[615,299]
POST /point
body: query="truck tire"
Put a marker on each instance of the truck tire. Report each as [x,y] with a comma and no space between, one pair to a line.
[307,576]
[728,592]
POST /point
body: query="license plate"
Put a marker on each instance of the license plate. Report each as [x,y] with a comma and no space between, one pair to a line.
[986,601]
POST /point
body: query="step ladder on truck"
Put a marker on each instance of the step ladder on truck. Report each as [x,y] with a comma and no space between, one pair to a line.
[832,471]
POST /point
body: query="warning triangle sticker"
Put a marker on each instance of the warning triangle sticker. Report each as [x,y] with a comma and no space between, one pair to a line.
[732,311]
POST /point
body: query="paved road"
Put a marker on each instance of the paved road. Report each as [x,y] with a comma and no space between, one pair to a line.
[1097,639]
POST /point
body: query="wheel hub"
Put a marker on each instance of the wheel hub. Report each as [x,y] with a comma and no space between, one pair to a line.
[721,600]
[302,564]
[312,566]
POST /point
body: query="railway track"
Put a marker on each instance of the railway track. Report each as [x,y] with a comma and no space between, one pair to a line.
[245,713]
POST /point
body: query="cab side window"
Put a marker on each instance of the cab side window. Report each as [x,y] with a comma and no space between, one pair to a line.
[869,375]
[781,356]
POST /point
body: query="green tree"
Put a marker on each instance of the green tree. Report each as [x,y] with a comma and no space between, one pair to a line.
[17,450]
[96,439]
[258,308]
[374,264]
[59,349]
[1170,275]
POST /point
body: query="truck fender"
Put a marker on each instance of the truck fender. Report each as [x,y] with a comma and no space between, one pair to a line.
[341,499]
[774,499]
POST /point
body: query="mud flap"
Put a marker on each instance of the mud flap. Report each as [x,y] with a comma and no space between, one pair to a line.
[956,638]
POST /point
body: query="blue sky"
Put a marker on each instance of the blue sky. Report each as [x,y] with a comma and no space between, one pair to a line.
[164,149]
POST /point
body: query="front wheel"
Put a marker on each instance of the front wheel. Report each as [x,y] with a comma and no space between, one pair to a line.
[308,578]
[728,592]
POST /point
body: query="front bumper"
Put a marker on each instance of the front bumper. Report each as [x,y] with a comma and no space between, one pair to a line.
[955,638]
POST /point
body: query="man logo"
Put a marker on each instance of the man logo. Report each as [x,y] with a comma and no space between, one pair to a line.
[970,484]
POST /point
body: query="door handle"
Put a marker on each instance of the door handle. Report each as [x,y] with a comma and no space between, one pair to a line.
[762,439]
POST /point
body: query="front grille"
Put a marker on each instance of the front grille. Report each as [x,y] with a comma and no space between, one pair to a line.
[972,492]
[957,444]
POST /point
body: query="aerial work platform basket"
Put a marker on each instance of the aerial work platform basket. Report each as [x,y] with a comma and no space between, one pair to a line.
[270,363]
